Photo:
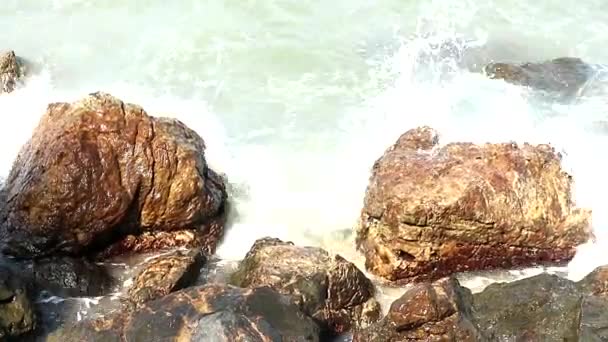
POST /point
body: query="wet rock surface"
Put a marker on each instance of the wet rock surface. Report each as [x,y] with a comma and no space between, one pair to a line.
[565,76]
[68,277]
[328,288]
[439,311]
[431,210]
[98,173]
[205,313]
[17,312]
[12,71]
[536,309]
[540,308]
[166,273]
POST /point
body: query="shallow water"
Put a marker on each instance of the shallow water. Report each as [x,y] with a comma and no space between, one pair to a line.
[297,99]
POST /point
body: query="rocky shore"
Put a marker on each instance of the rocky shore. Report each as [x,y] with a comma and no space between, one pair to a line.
[101,179]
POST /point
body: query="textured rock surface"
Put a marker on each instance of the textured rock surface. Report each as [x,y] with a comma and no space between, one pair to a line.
[207,313]
[429,212]
[97,173]
[17,316]
[328,288]
[439,311]
[166,273]
[540,308]
[11,71]
[68,277]
[566,76]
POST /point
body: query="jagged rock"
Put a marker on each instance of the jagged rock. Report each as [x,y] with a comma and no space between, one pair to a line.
[101,176]
[439,311]
[566,75]
[206,313]
[432,210]
[166,273]
[17,315]
[328,288]
[11,71]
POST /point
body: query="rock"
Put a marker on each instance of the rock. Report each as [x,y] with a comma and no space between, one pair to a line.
[11,71]
[429,212]
[101,176]
[69,277]
[566,75]
[330,289]
[540,308]
[17,315]
[166,273]
[204,313]
[439,311]
[596,282]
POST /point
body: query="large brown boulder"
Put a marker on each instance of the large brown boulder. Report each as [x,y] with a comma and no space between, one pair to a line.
[439,311]
[430,211]
[566,76]
[101,174]
[11,71]
[206,313]
[330,289]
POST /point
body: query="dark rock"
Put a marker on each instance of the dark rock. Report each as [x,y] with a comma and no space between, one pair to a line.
[17,315]
[594,319]
[205,313]
[440,311]
[566,75]
[540,308]
[101,175]
[430,211]
[11,71]
[328,288]
[68,277]
[166,273]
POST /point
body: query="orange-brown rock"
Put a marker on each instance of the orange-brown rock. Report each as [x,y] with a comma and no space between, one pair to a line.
[165,273]
[439,311]
[99,171]
[328,288]
[434,210]
[11,71]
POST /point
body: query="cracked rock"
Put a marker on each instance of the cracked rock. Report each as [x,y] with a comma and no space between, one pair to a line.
[328,288]
[102,177]
[432,210]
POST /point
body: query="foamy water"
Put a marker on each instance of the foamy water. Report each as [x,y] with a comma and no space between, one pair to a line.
[297,100]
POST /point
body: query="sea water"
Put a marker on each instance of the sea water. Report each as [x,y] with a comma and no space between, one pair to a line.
[296,100]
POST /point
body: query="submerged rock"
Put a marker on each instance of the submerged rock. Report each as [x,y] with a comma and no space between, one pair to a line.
[11,71]
[566,76]
[17,315]
[101,174]
[432,211]
[166,273]
[205,313]
[439,311]
[328,288]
